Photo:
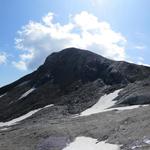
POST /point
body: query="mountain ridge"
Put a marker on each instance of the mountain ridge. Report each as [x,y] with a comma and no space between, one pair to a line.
[73,78]
[69,51]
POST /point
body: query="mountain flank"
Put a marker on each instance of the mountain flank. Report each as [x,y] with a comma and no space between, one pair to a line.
[76,79]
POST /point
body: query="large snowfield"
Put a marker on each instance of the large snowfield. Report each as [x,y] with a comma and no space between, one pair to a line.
[104,102]
[87,143]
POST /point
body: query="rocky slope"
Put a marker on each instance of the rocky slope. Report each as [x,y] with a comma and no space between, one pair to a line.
[71,77]
[73,80]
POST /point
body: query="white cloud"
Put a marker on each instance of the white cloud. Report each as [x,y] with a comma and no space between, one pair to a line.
[98,3]
[140,58]
[36,40]
[141,62]
[21,65]
[140,47]
[3,58]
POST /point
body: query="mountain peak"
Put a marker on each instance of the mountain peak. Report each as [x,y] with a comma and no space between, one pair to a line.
[71,52]
[72,64]
[70,77]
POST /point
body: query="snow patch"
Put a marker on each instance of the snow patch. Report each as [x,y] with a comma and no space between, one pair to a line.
[105,102]
[27,93]
[87,143]
[134,147]
[146,141]
[3,95]
[4,129]
[49,106]
[23,83]
[127,107]
[16,120]
[141,143]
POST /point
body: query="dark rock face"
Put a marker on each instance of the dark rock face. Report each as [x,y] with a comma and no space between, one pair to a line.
[72,77]
[73,64]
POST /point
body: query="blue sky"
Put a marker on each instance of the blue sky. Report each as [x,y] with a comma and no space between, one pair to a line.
[128,20]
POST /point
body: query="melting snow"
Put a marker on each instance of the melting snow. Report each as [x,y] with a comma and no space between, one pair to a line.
[2,95]
[147,141]
[127,107]
[134,147]
[141,143]
[86,143]
[105,102]
[16,120]
[23,83]
[27,93]
[4,129]
[49,106]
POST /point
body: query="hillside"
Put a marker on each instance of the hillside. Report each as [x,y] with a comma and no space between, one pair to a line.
[60,93]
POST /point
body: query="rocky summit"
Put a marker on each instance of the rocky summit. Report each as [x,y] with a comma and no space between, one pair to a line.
[77,93]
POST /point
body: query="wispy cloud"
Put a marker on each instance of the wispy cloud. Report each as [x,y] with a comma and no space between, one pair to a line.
[36,40]
[21,65]
[140,47]
[141,60]
[144,64]
[3,58]
[96,2]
